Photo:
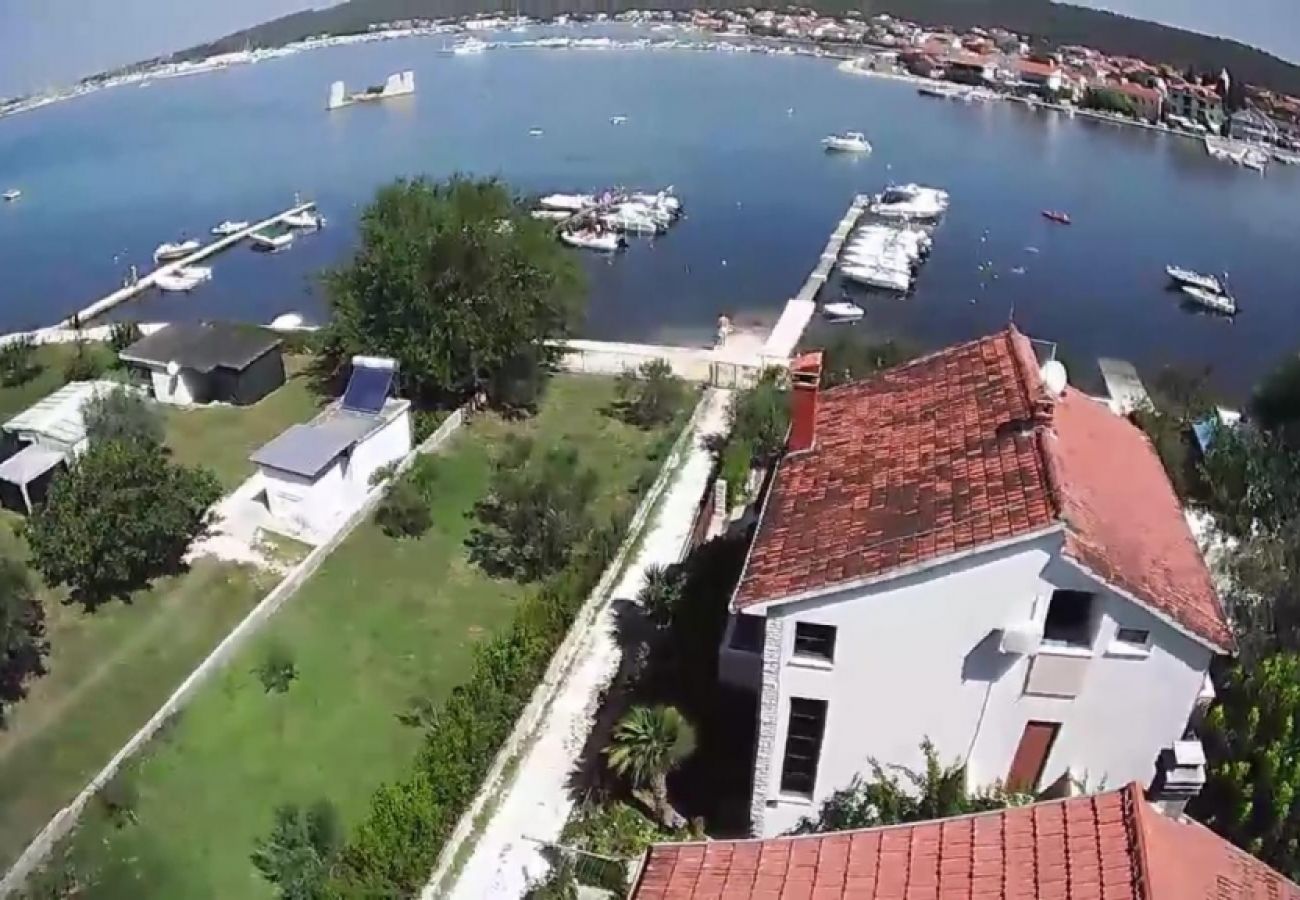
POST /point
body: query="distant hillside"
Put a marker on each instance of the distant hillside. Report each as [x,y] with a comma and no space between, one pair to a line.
[1049,22]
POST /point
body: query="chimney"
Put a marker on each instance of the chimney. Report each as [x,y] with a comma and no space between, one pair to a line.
[805,386]
[1180,775]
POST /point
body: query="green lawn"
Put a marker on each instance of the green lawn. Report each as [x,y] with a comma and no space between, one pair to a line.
[222,437]
[383,621]
[108,672]
[51,359]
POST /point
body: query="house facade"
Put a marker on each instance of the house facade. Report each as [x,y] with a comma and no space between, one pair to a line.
[1195,103]
[954,551]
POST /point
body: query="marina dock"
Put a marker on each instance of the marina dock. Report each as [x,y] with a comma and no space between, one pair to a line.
[800,309]
[126,292]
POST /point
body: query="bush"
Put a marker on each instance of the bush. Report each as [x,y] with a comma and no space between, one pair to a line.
[760,417]
[296,856]
[277,670]
[395,847]
[87,363]
[651,396]
[118,798]
[121,415]
[404,511]
[123,334]
[18,363]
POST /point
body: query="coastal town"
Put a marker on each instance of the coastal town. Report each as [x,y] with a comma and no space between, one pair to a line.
[438,595]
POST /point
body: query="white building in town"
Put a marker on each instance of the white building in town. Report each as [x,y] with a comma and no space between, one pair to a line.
[315,475]
[966,549]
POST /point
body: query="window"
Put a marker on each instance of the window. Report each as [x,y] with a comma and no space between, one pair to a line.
[803,745]
[747,633]
[1139,637]
[815,641]
[1069,619]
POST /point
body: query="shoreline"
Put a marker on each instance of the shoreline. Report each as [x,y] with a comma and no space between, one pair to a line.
[707,41]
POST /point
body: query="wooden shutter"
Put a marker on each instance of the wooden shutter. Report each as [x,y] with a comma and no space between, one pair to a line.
[1031,756]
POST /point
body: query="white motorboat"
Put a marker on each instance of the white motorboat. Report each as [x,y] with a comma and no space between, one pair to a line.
[910,201]
[665,199]
[271,243]
[590,240]
[1220,303]
[169,251]
[307,220]
[842,311]
[551,215]
[617,120]
[848,142]
[227,228]
[198,273]
[567,202]
[469,47]
[886,279]
[535,132]
[11,195]
[183,279]
[1187,277]
[628,217]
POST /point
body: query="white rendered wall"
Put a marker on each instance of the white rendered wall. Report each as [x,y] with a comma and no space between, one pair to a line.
[309,506]
[387,445]
[918,657]
[179,391]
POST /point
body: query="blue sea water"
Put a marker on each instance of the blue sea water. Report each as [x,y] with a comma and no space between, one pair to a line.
[109,176]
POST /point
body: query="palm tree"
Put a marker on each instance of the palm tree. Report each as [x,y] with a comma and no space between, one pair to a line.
[660,593]
[646,745]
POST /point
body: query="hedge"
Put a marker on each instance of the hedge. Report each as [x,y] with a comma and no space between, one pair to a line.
[393,851]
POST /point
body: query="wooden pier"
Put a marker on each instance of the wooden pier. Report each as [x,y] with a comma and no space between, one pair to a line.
[800,309]
[145,282]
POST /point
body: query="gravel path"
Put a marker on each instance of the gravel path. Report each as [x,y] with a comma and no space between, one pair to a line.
[536,804]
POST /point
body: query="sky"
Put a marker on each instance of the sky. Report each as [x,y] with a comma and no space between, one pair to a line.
[49,43]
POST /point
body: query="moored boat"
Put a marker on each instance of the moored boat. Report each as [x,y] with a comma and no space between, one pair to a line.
[567,202]
[169,250]
[307,220]
[848,142]
[1057,216]
[227,228]
[913,202]
[11,195]
[270,243]
[842,311]
[607,241]
[1220,303]
[1182,276]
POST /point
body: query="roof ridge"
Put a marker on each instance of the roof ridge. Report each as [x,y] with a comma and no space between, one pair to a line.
[1135,824]
[1032,387]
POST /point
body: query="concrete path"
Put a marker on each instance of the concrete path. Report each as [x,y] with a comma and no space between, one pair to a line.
[536,804]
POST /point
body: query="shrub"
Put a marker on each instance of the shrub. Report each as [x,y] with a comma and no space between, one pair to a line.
[404,511]
[760,417]
[121,414]
[277,669]
[651,396]
[87,363]
[123,334]
[118,798]
[296,856]
[18,363]
[736,460]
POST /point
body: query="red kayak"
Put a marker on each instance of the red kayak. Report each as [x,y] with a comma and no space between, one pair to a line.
[1055,216]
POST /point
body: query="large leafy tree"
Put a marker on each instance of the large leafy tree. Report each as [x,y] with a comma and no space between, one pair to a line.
[647,744]
[1276,401]
[120,516]
[23,646]
[760,417]
[297,855]
[849,358]
[456,283]
[537,512]
[1252,746]
[897,794]
[121,414]
[652,395]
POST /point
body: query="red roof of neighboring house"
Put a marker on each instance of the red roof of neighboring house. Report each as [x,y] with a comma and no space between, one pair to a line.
[1112,846]
[1151,95]
[943,455]
[1033,67]
[969,59]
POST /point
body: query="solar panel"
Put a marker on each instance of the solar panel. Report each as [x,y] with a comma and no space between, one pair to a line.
[367,389]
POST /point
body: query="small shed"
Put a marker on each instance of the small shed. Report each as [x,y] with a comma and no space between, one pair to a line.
[209,362]
[41,438]
[315,474]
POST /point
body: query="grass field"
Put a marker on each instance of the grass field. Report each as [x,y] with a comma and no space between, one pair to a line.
[108,672]
[382,622]
[51,358]
[222,437]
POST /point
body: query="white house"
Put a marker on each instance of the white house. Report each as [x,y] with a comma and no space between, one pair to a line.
[955,550]
[316,474]
[208,362]
[43,436]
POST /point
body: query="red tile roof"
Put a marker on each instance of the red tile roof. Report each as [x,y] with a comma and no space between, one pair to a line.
[1033,67]
[941,456]
[1110,846]
[1129,89]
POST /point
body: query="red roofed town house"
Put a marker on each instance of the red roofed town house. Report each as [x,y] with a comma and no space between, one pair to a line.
[1146,101]
[952,549]
[1111,846]
[1046,76]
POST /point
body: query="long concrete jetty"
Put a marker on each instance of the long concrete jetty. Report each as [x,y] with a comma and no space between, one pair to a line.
[799,311]
[122,294]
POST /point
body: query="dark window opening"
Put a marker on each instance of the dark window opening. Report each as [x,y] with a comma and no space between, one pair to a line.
[803,745]
[1138,636]
[1069,618]
[747,633]
[816,641]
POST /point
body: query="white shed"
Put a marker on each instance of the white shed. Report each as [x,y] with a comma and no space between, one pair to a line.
[44,435]
[316,474]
